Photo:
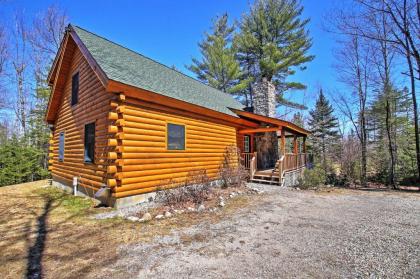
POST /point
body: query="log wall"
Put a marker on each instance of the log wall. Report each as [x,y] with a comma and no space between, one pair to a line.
[143,161]
[131,154]
[93,106]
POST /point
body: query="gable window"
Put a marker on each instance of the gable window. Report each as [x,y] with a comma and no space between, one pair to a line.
[74,88]
[176,137]
[247,144]
[61,147]
[90,142]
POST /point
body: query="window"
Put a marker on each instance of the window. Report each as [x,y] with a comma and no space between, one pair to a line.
[176,137]
[247,144]
[90,143]
[61,147]
[74,89]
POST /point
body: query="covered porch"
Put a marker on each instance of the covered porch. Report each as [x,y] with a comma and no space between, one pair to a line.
[286,149]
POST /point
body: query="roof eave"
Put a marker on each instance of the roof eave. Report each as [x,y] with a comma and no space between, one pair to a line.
[149,96]
[70,33]
[286,124]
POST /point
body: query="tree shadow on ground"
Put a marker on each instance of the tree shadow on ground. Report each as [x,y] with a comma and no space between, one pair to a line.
[36,251]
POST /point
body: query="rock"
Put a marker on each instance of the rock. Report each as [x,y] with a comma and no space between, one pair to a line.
[201,208]
[133,218]
[168,214]
[222,203]
[257,191]
[191,209]
[179,211]
[233,194]
[160,216]
[146,217]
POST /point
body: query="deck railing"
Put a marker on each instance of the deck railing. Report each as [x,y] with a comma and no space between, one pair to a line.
[246,159]
[289,162]
[294,161]
[253,165]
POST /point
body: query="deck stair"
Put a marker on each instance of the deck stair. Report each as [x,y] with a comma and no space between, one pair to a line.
[270,176]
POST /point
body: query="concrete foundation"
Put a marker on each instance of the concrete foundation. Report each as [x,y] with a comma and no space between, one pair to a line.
[107,199]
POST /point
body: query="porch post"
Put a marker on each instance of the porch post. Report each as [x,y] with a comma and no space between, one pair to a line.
[304,149]
[295,150]
[283,141]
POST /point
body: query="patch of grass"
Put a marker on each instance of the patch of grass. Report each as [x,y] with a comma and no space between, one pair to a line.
[74,205]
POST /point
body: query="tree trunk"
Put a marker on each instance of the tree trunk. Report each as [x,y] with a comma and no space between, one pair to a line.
[324,155]
[415,112]
[391,180]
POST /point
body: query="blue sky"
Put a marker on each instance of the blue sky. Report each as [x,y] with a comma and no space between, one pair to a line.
[168,31]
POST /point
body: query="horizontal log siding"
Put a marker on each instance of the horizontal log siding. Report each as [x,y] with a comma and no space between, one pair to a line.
[145,163]
[93,106]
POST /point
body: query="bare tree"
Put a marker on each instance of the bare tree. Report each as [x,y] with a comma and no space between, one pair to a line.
[383,60]
[3,58]
[20,64]
[3,50]
[354,67]
[45,38]
[403,19]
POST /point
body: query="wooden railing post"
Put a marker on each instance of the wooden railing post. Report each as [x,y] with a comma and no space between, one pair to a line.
[253,165]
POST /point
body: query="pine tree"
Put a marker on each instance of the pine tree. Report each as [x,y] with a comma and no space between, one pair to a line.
[324,128]
[298,119]
[218,67]
[273,40]
[401,126]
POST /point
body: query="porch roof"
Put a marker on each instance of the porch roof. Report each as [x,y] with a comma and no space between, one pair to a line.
[281,124]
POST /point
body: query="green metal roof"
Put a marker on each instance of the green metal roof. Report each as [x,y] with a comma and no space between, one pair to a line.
[128,67]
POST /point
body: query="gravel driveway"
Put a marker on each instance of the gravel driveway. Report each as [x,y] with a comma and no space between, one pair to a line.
[289,234]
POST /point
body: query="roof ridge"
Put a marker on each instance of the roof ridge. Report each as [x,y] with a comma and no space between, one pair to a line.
[153,60]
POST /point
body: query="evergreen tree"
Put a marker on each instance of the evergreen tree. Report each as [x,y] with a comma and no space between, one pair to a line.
[218,67]
[19,163]
[273,40]
[324,128]
[401,127]
[298,119]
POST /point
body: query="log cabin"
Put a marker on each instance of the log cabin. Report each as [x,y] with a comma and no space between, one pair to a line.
[125,123]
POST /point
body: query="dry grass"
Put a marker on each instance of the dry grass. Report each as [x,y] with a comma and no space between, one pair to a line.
[46,231]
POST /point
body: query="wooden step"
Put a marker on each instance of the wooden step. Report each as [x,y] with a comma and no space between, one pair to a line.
[264,181]
[266,175]
[266,178]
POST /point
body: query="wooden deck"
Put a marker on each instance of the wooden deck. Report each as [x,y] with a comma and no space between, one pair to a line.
[287,163]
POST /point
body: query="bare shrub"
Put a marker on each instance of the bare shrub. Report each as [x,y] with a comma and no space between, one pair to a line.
[196,189]
[232,172]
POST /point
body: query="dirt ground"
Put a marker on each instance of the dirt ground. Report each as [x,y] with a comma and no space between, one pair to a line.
[277,234]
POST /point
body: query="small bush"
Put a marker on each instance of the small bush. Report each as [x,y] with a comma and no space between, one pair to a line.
[232,173]
[196,189]
[312,178]
[337,180]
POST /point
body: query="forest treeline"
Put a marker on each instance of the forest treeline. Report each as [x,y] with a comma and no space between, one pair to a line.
[27,49]
[366,131]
